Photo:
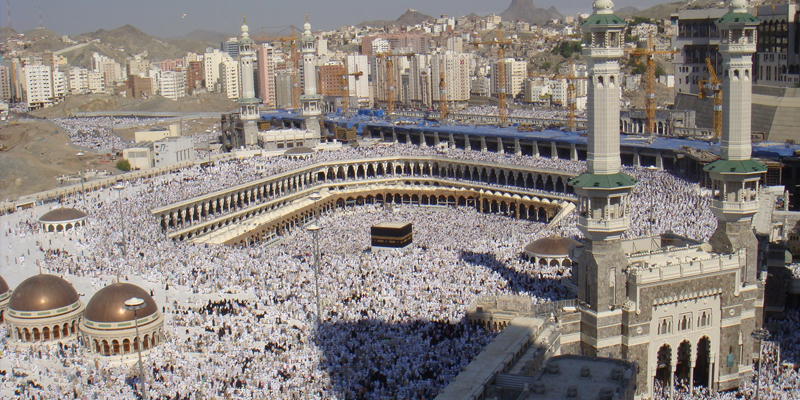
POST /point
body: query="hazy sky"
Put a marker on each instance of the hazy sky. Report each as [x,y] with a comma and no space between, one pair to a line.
[166,17]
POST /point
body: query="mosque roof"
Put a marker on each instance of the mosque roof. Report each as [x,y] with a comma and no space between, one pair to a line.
[62,215]
[611,181]
[108,304]
[42,293]
[735,167]
[299,150]
[551,246]
[3,285]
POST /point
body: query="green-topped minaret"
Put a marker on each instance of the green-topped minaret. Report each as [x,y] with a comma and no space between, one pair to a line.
[735,176]
[603,189]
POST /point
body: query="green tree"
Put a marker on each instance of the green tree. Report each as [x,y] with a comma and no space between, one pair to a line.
[659,71]
[547,65]
[639,69]
[124,165]
[568,47]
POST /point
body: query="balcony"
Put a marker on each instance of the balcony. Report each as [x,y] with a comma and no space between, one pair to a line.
[735,207]
[604,225]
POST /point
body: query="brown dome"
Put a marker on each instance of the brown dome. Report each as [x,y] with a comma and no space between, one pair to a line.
[42,293]
[552,246]
[62,215]
[3,285]
[108,304]
[299,150]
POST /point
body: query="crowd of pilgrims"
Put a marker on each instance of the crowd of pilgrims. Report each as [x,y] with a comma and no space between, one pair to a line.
[96,133]
[393,322]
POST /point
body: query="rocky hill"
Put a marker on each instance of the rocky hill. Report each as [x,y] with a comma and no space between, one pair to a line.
[128,40]
[525,10]
[409,18]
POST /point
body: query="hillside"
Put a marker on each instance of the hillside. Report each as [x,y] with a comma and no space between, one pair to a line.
[131,41]
[409,18]
[525,10]
[203,35]
[107,102]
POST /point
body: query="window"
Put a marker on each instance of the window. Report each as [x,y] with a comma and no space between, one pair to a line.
[665,326]
[704,320]
[685,322]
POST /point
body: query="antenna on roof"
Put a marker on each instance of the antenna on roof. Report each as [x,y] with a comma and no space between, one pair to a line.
[8,8]
[41,24]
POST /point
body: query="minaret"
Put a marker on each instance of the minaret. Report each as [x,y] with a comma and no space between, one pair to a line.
[602,190]
[248,103]
[310,100]
[735,176]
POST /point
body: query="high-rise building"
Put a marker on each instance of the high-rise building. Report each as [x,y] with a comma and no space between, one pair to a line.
[78,80]
[310,100]
[516,73]
[5,84]
[211,68]
[266,75]
[229,77]
[330,80]
[696,38]
[230,47]
[37,86]
[194,76]
[419,72]
[457,69]
[171,84]
[358,86]
[777,61]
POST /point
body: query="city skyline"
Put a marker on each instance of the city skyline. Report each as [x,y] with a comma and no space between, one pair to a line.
[180,17]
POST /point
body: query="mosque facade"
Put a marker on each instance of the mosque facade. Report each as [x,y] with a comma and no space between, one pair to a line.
[682,310]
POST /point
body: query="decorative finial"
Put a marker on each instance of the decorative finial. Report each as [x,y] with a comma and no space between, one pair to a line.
[738,6]
[603,6]
[244,19]
[306,17]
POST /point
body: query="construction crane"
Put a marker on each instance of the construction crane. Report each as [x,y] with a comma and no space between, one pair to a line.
[390,77]
[346,89]
[501,71]
[713,84]
[650,82]
[571,92]
[295,72]
[442,93]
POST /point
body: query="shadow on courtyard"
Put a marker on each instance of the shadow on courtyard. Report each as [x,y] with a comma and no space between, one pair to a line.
[519,282]
[411,360]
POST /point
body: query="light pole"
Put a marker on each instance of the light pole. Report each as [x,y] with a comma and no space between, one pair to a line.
[83,190]
[119,188]
[134,304]
[761,335]
[314,229]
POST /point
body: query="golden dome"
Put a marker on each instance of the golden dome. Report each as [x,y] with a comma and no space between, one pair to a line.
[42,293]
[108,304]
[552,246]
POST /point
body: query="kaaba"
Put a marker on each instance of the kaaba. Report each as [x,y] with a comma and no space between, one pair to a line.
[392,234]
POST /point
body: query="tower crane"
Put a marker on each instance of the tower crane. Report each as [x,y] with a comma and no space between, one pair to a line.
[713,84]
[501,70]
[346,89]
[650,81]
[390,77]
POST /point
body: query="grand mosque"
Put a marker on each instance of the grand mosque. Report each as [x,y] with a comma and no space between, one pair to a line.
[658,309]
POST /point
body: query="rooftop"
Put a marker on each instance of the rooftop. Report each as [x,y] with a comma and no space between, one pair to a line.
[583,378]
